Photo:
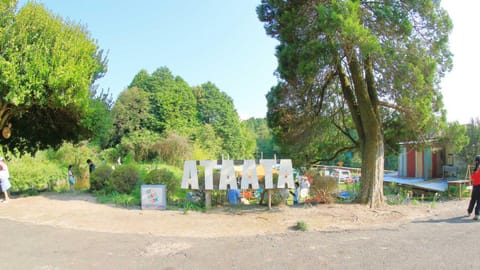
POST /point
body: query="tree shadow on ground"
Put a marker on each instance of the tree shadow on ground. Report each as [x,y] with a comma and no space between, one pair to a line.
[454,220]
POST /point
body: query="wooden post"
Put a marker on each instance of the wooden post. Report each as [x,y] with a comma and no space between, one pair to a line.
[208,199]
[269,192]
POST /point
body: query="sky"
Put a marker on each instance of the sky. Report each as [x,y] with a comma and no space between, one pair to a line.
[222,41]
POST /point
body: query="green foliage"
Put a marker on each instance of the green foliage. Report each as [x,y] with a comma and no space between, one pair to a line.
[69,154]
[347,67]
[122,199]
[279,196]
[263,136]
[396,195]
[173,150]
[170,178]
[29,173]
[472,148]
[323,187]
[173,106]
[100,178]
[124,178]
[98,120]
[47,67]
[130,113]
[216,108]
[141,144]
[301,226]
[207,144]
[110,155]
[455,136]
[190,206]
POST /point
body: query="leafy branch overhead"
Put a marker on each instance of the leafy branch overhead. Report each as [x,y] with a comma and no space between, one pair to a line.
[48,66]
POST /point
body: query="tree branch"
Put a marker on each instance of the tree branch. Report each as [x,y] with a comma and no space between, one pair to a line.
[338,152]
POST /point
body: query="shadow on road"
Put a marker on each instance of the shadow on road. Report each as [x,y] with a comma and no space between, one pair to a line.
[460,219]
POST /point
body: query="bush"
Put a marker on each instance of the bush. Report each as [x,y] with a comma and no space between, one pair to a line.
[71,154]
[139,143]
[124,178]
[173,150]
[100,178]
[301,226]
[323,187]
[110,155]
[166,177]
[28,173]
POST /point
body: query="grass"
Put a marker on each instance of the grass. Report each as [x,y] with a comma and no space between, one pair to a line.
[116,198]
[301,226]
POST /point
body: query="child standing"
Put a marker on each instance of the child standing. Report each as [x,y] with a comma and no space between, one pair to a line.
[296,193]
[71,178]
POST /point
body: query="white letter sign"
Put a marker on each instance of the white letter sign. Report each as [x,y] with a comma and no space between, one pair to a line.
[285,175]
[190,177]
[227,175]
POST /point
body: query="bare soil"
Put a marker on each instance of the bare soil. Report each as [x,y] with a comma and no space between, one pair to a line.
[73,231]
[81,211]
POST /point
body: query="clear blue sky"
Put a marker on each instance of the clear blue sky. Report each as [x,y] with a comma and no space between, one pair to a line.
[222,41]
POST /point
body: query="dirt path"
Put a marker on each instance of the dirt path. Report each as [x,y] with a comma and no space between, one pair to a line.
[81,211]
[72,231]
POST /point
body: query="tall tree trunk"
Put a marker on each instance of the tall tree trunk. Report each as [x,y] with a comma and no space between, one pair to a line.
[362,101]
[371,183]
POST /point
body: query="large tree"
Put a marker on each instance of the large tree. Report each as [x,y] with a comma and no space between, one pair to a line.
[216,108]
[471,146]
[265,146]
[172,103]
[130,113]
[47,66]
[359,64]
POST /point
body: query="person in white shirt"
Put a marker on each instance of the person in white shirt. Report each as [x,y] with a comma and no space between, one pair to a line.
[4,180]
[304,187]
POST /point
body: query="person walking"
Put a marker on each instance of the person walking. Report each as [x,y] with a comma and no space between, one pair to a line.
[475,198]
[4,180]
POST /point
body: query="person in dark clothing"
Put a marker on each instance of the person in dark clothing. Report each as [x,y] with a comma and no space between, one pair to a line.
[91,166]
[296,193]
[475,198]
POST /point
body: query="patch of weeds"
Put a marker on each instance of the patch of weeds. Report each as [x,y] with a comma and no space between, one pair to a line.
[190,206]
[117,198]
[301,226]
[433,204]
[26,193]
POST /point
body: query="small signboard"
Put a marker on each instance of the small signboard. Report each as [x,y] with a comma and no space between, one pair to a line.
[154,196]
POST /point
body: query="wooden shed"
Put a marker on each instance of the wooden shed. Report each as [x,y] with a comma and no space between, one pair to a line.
[427,160]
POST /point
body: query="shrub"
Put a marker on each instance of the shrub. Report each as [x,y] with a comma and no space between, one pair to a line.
[124,178]
[100,178]
[173,150]
[279,196]
[164,176]
[323,187]
[110,155]
[27,173]
[301,226]
[71,154]
[138,143]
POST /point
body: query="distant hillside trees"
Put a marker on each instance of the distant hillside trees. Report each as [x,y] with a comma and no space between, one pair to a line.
[165,104]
